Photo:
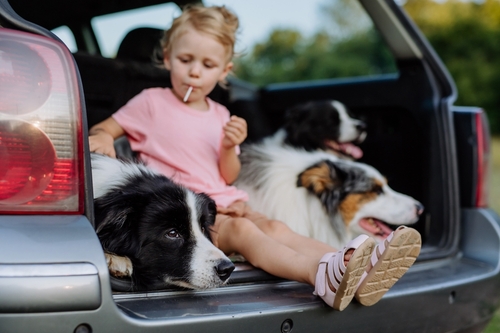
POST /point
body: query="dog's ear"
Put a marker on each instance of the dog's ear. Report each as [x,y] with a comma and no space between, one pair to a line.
[325,180]
[308,125]
[295,124]
[209,212]
[114,217]
[212,210]
[212,213]
[296,113]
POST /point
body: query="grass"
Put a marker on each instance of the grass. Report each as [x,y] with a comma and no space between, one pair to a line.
[494,183]
[494,197]
[494,325]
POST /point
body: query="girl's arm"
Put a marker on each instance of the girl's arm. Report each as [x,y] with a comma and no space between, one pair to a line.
[229,165]
[235,133]
[103,135]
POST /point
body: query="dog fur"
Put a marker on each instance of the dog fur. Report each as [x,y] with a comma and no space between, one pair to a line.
[323,125]
[293,177]
[153,230]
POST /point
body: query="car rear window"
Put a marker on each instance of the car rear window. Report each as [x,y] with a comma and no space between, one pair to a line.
[283,41]
[110,29]
[66,35]
[308,40]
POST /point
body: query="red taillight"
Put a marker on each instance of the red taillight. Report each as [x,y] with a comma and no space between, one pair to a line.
[40,127]
[28,166]
[483,159]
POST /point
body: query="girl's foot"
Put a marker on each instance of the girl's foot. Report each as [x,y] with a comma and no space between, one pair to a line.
[389,262]
[336,283]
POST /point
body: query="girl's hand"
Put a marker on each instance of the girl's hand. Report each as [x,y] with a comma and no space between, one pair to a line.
[102,143]
[236,209]
[235,132]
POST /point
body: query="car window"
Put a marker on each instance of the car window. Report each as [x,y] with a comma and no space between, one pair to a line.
[110,29]
[316,39]
[65,34]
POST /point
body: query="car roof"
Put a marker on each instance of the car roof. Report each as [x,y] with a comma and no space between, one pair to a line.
[51,14]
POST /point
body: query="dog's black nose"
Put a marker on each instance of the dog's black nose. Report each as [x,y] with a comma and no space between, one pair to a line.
[224,269]
[361,126]
[420,208]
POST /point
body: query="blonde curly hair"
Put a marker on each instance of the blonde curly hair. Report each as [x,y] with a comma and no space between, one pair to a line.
[216,21]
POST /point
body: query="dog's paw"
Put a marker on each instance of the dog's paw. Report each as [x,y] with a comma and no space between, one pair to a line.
[119,266]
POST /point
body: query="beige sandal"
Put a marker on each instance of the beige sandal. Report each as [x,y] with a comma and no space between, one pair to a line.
[389,262]
[333,273]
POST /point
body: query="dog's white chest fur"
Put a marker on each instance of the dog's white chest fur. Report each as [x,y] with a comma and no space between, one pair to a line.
[269,176]
[339,200]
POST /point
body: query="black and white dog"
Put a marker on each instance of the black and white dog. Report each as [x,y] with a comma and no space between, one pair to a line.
[153,230]
[323,125]
[294,177]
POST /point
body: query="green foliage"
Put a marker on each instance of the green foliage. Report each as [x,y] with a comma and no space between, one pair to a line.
[466,35]
[287,56]
[347,46]
[471,51]
[494,198]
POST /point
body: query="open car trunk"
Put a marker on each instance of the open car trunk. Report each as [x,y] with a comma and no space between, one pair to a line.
[408,116]
[405,141]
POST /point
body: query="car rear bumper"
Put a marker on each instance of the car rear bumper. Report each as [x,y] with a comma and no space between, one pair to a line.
[447,295]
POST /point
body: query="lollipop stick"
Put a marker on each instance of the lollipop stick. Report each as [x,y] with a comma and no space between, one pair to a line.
[190,89]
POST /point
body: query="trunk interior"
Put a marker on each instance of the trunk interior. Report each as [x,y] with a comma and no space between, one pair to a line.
[401,111]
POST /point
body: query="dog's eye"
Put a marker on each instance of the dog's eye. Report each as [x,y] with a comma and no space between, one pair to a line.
[172,233]
[378,189]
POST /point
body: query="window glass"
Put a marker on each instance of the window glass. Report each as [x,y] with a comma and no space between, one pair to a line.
[65,34]
[110,29]
[292,40]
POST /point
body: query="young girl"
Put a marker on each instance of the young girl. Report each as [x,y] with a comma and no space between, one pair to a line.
[183,134]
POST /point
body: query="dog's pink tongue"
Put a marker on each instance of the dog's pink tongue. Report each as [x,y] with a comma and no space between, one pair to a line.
[351,150]
[375,227]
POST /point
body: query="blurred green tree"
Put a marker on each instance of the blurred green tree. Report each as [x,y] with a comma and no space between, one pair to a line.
[466,35]
[347,46]
[287,57]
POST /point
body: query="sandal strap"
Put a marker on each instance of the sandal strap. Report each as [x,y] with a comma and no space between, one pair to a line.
[336,269]
[332,268]
[321,277]
[380,248]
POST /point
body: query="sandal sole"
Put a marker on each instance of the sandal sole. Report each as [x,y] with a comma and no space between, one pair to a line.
[354,270]
[397,258]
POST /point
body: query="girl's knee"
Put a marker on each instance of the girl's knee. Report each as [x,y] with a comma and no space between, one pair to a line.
[234,232]
[274,228]
[238,226]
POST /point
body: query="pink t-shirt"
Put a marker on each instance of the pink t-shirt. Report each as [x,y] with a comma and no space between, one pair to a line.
[179,142]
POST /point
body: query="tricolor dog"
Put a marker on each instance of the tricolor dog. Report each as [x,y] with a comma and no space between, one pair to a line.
[296,179]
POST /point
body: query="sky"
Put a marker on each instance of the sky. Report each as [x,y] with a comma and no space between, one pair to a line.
[256,22]
[257,19]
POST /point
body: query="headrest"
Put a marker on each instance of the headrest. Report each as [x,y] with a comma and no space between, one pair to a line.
[140,44]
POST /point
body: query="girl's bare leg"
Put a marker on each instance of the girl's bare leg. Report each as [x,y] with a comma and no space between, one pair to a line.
[243,236]
[298,262]
[280,232]
[286,236]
